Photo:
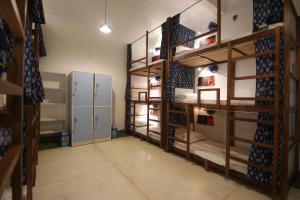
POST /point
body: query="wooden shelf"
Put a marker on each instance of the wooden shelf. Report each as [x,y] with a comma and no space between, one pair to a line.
[10,13]
[7,165]
[10,88]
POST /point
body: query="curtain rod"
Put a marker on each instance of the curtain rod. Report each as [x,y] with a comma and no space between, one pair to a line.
[189,7]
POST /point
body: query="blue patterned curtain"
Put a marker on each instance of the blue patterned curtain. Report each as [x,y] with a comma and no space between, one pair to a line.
[174,23]
[179,33]
[128,87]
[5,140]
[266,12]
[42,48]
[6,46]
[33,86]
[180,77]
[37,12]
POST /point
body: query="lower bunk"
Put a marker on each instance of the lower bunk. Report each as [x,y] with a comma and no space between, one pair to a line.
[154,133]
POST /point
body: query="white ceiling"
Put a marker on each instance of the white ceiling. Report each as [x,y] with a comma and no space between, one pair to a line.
[129,19]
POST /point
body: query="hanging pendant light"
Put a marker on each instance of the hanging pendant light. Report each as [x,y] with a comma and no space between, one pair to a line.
[105,28]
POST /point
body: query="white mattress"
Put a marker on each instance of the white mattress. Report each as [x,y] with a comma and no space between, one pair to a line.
[139,66]
[222,102]
[143,130]
[216,153]
[185,51]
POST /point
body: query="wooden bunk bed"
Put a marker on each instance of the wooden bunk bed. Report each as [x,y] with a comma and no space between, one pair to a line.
[32,117]
[154,103]
[226,156]
[14,13]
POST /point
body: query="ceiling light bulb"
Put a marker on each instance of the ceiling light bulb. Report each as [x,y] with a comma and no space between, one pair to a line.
[105,29]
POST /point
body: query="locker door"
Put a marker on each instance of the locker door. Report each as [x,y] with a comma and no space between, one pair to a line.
[102,123]
[82,125]
[82,89]
[103,90]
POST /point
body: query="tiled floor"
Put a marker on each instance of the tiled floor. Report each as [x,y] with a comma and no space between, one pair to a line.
[128,168]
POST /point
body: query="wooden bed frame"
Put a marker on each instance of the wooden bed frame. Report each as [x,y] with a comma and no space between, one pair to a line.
[229,52]
[149,70]
[14,13]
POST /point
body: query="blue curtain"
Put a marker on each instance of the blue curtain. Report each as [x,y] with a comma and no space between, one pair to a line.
[180,77]
[37,12]
[128,87]
[42,48]
[6,46]
[5,140]
[174,23]
[33,85]
[178,33]
[266,12]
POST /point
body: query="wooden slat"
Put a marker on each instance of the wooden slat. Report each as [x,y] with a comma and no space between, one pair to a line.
[10,88]
[254,98]
[252,142]
[10,13]
[265,53]
[7,165]
[261,122]
[154,120]
[250,163]
[259,76]
[138,60]
[240,108]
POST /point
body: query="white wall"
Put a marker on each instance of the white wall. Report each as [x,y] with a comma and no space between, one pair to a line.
[71,46]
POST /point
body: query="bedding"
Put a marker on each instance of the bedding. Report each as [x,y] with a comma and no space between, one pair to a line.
[216,153]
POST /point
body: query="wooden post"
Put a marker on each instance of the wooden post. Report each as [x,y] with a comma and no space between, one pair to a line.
[228,117]
[276,114]
[188,131]
[168,60]
[297,96]
[286,113]
[148,82]
[219,21]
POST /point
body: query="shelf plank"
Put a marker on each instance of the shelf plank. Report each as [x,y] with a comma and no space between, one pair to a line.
[7,165]
[10,13]
[10,88]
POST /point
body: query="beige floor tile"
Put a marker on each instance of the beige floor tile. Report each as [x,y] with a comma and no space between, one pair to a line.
[128,168]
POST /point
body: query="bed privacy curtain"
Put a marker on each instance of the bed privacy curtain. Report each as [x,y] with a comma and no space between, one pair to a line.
[180,77]
[266,12]
[128,87]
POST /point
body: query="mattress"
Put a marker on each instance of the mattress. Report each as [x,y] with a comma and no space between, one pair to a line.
[213,102]
[143,131]
[216,153]
[140,66]
[181,134]
[184,51]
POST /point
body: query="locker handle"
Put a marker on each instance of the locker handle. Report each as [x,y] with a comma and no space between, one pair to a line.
[96,90]
[75,88]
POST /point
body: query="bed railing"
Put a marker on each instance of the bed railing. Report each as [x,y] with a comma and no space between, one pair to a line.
[218,101]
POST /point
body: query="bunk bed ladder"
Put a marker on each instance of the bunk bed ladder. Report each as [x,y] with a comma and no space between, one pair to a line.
[230,136]
[186,113]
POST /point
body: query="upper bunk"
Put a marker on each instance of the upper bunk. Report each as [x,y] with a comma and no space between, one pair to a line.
[206,39]
[147,69]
